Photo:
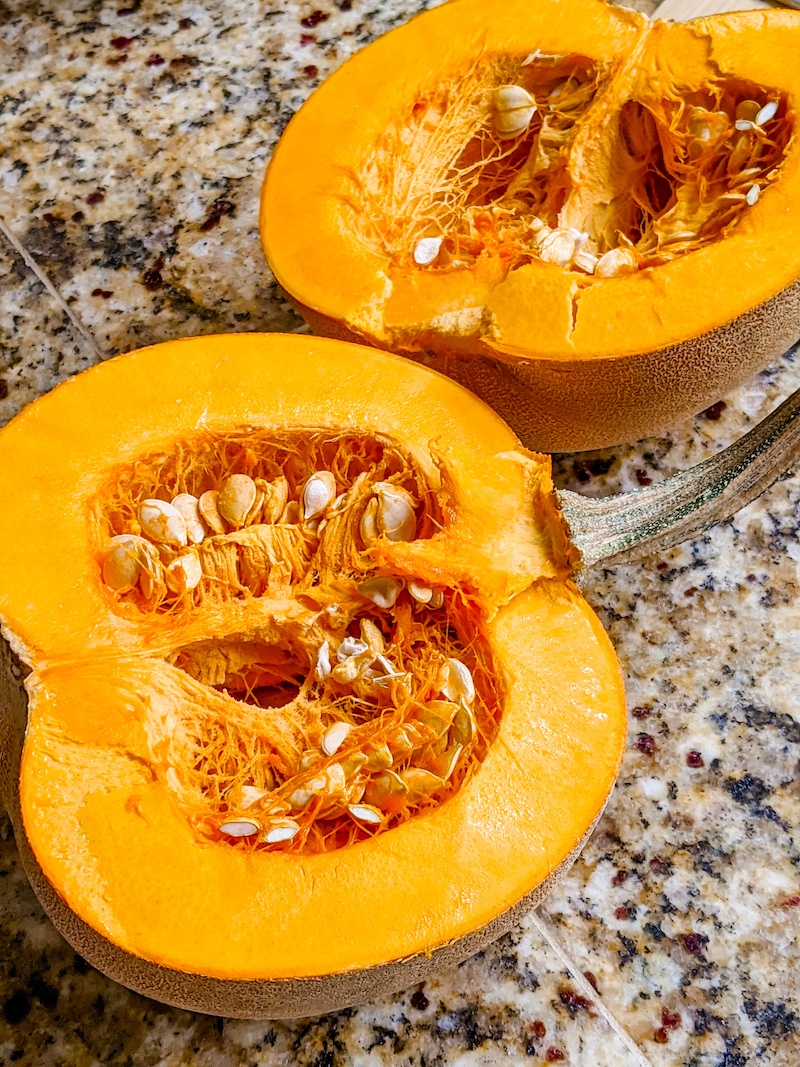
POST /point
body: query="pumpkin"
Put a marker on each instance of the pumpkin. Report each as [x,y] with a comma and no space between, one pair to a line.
[299,701]
[585,217]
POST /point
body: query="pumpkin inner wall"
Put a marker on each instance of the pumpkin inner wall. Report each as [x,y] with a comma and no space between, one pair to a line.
[362,698]
[609,162]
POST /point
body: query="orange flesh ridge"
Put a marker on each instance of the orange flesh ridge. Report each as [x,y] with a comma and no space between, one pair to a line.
[137,873]
[537,307]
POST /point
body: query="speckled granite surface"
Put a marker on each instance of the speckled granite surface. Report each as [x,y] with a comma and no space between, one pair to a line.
[134,140]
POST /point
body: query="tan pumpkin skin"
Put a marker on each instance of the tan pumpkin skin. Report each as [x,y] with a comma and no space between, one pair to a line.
[555,406]
[287,999]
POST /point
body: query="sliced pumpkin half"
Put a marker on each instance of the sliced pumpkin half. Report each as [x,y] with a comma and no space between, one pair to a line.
[585,216]
[310,706]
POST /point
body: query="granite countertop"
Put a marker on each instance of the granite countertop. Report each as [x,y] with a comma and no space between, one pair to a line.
[134,142]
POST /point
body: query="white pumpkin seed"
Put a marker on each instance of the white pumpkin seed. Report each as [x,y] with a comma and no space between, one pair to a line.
[744,124]
[300,797]
[368,526]
[395,516]
[184,574]
[163,523]
[383,592]
[366,813]
[285,830]
[318,493]
[458,684]
[334,737]
[237,495]
[323,664]
[189,507]
[437,598]
[426,250]
[208,508]
[585,261]
[371,635]
[617,261]
[557,247]
[767,112]
[239,828]
[122,565]
[513,109]
[421,593]
[752,195]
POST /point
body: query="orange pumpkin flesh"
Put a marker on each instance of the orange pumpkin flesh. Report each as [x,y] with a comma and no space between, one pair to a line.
[641,140]
[121,809]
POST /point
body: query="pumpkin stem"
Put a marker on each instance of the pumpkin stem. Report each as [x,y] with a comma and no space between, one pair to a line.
[630,526]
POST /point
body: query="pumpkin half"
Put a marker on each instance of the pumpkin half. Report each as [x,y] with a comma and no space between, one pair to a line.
[586,217]
[310,705]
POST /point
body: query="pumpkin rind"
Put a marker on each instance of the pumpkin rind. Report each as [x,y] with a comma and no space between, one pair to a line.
[107,848]
[568,367]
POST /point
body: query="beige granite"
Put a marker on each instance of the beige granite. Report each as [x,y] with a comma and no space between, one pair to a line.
[131,186]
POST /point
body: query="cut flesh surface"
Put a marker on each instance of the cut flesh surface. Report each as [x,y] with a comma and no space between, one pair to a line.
[241,743]
[643,142]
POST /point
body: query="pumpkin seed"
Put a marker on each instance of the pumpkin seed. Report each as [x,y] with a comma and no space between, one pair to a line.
[237,495]
[617,261]
[371,636]
[752,195]
[381,591]
[318,493]
[513,108]
[426,250]
[122,564]
[464,727]
[282,830]
[162,522]
[323,664]
[395,515]
[419,782]
[207,505]
[378,756]
[365,813]
[300,798]
[334,737]
[421,593]
[457,684]
[585,261]
[189,507]
[448,761]
[184,574]
[747,109]
[744,124]
[353,763]
[368,526]
[251,795]
[438,715]
[557,247]
[437,599]
[239,828]
[386,791]
[767,112]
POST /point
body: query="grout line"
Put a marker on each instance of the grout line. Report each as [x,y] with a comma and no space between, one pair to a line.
[544,928]
[47,283]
